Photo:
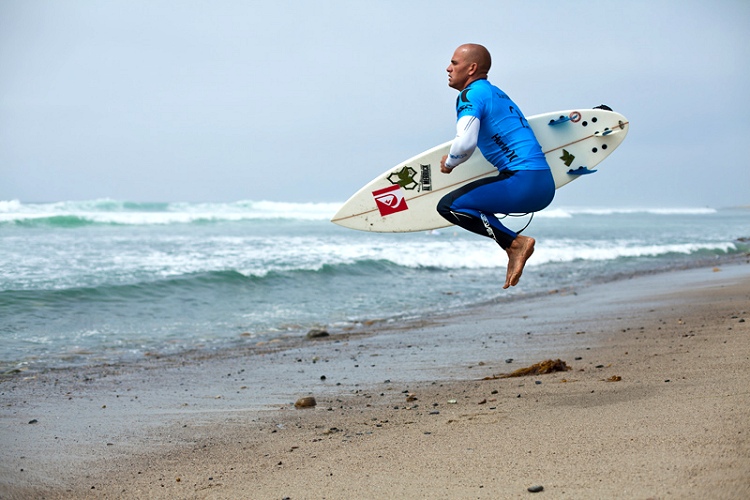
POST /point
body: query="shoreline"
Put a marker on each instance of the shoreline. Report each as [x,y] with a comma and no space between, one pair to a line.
[162,429]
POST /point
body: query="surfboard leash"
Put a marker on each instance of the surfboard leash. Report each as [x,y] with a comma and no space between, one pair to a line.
[519,215]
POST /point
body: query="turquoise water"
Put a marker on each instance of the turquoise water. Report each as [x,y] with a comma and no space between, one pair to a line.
[109,281]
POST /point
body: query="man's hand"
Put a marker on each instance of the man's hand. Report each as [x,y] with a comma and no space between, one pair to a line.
[443,168]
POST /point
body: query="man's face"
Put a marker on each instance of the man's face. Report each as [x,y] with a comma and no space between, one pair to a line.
[459,70]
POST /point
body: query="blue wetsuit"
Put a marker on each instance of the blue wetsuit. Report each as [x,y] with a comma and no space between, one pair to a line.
[524,182]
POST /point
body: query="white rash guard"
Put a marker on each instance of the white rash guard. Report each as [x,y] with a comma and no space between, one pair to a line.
[467,133]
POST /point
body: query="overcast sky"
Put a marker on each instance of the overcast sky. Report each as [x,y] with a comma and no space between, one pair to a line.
[308,100]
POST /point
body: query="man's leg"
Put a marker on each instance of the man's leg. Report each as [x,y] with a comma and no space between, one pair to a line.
[460,207]
[473,207]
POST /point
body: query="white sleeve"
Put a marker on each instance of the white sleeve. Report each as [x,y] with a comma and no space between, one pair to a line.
[467,132]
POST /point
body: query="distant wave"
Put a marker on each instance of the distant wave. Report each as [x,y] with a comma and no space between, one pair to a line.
[106,211]
[289,270]
[191,284]
[52,221]
[114,212]
[566,212]
[585,252]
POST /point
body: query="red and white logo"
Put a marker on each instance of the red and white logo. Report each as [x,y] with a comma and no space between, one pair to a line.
[390,200]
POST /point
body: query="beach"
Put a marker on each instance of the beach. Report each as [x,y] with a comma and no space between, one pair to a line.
[655,404]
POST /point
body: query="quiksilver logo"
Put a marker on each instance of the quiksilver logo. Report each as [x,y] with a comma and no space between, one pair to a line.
[390,200]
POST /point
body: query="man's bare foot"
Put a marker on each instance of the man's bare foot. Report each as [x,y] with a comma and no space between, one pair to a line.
[518,253]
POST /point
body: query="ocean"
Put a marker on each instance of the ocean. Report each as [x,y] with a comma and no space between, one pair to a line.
[105,281]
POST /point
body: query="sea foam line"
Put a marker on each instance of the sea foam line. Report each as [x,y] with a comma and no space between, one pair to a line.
[107,211]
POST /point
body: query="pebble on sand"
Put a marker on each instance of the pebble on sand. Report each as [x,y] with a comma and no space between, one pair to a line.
[307,402]
[316,334]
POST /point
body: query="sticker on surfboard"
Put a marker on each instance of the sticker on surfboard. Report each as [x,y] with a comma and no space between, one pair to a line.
[390,200]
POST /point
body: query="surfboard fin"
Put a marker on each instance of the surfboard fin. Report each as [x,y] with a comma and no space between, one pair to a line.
[581,171]
[560,120]
[609,131]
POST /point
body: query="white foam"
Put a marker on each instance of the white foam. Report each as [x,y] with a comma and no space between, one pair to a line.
[601,251]
[9,206]
[573,211]
[106,211]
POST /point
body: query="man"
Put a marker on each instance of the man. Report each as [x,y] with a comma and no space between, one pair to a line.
[488,119]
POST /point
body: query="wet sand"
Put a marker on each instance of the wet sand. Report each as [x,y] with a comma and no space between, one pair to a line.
[656,405]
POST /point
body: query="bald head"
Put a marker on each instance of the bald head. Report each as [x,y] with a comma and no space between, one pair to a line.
[478,54]
[470,62]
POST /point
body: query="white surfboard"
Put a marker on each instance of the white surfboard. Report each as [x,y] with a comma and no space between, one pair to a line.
[405,197]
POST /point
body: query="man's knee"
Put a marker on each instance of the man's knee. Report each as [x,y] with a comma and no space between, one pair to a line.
[444,208]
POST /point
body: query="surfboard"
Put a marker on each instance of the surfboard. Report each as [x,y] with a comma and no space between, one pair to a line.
[404,198]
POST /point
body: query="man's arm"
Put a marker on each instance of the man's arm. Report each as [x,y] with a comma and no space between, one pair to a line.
[464,144]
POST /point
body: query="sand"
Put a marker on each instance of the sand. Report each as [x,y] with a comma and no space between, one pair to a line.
[656,405]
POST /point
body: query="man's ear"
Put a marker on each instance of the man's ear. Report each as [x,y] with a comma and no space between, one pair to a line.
[473,68]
